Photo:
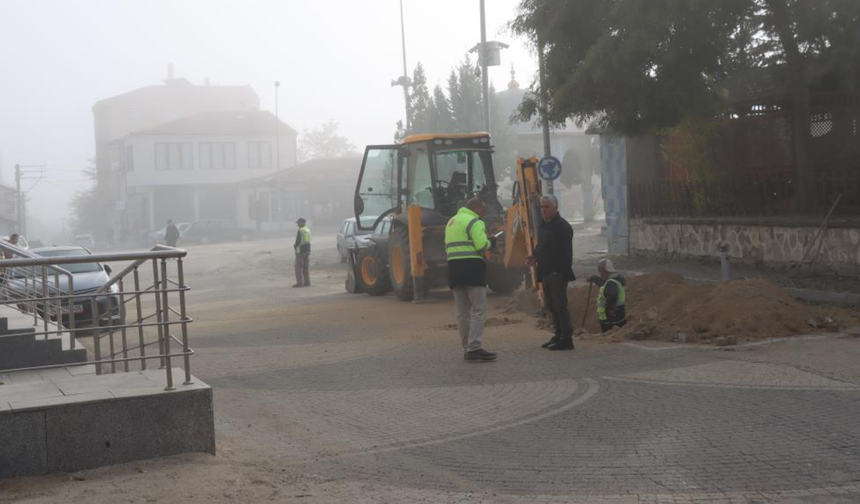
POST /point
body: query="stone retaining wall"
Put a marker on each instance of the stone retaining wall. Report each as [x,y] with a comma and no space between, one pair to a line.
[773,244]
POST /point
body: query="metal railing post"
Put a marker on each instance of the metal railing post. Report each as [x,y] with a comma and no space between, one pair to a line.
[58,302]
[72,333]
[109,321]
[122,323]
[165,306]
[45,314]
[97,341]
[139,319]
[180,274]
[158,316]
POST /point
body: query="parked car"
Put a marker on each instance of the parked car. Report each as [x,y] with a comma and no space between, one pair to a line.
[157,235]
[381,229]
[213,230]
[87,241]
[22,242]
[88,277]
[348,233]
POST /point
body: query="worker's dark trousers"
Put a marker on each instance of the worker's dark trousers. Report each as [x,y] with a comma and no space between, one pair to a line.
[303,262]
[555,301]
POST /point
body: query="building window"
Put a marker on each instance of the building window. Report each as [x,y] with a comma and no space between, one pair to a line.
[174,156]
[217,156]
[259,154]
[128,158]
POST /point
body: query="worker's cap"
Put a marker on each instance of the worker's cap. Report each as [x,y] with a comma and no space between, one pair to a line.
[607,265]
[301,220]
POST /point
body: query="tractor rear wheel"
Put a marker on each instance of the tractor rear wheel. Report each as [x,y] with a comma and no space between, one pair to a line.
[373,271]
[400,265]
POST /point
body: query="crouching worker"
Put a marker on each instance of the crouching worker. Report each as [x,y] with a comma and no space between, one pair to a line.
[611,311]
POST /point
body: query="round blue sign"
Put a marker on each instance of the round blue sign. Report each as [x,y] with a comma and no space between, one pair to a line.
[549,168]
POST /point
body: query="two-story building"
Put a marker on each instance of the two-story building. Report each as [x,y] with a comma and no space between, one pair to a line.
[190,168]
[148,107]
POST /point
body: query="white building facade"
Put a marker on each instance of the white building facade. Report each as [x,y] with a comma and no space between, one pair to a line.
[190,169]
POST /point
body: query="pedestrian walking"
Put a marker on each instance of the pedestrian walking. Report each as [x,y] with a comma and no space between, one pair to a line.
[171,234]
[554,259]
[611,297]
[302,247]
[465,243]
[110,234]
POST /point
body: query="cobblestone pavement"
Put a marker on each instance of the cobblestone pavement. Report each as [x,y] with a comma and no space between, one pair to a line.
[322,396]
[386,410]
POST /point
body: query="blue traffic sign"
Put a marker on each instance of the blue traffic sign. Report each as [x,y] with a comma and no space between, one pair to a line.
[549,168]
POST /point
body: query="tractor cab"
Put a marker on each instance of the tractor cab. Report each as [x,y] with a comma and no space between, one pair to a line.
[438,173]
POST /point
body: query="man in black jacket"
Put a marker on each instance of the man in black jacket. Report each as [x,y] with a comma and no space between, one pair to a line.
[554,259]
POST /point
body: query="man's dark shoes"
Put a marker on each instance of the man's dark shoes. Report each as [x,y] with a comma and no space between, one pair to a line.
[295,286]
[564,344]
[551,341]
[480,355]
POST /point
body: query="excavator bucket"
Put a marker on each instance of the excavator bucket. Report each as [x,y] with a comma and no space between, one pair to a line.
[353,284]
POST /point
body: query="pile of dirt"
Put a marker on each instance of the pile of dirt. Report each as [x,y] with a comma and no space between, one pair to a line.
[662,306]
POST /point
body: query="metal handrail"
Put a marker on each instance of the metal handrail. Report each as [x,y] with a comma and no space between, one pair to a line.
[43,294]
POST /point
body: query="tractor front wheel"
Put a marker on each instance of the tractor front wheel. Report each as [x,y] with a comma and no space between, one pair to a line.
[373,271]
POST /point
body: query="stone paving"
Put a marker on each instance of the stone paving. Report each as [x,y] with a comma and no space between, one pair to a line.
[375,415]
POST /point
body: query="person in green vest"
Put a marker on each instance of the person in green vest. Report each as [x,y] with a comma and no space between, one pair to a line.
[302,247]
[466,242]
[611,297]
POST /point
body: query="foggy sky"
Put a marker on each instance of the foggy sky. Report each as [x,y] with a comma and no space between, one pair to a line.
[334,58]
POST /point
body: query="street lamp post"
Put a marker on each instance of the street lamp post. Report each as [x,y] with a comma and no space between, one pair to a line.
[489,54]
[404,79]
[278,158]
[485,77]
[544,109]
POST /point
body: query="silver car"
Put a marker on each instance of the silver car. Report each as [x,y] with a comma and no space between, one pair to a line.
[88,278]
[349,234]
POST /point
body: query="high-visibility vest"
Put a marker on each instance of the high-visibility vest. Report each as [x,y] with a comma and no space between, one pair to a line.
[466,236]
[601,300]
[305,235]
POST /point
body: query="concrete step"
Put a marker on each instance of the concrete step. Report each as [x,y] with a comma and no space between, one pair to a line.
[23,349]
[54,420]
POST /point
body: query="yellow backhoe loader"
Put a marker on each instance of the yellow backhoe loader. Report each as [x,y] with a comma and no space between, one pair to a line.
[421,183]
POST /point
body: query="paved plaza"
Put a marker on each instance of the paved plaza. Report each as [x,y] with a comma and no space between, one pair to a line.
[322,396]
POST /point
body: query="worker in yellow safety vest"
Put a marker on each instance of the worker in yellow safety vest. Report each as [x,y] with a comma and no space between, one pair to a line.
[611,298]
[302,247]
[466,242]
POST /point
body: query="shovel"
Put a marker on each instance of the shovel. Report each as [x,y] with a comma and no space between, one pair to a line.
[587,301]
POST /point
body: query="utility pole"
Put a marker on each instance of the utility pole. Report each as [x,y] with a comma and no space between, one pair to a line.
[544,108]
[404,79]
[22,173]
[278,159]
[485,76]
[489,54]
[20,199]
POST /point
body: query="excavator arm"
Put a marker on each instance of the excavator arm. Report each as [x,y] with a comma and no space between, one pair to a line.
[523,217]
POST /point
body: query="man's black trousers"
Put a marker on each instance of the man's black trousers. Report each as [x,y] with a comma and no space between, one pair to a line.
[555,301]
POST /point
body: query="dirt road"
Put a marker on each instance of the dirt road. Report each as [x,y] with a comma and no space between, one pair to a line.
[324,397]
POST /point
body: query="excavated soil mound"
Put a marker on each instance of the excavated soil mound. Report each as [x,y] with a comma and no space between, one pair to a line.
[662,306]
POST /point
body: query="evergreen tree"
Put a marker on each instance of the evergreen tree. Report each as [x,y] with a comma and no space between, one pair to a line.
[421,103]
